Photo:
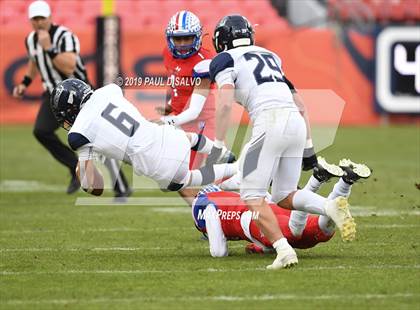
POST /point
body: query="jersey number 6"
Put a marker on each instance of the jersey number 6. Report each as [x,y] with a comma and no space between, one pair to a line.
[264,60]
[121,121]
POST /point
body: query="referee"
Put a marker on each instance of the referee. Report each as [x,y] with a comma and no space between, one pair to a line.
[53,51]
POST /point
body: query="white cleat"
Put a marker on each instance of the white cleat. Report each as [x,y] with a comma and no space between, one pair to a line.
[338,211]
[285,259]
[324,171]
[354,171]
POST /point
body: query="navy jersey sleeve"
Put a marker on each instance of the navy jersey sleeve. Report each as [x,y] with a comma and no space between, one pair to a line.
[220,63]
[77,140]
[201,75]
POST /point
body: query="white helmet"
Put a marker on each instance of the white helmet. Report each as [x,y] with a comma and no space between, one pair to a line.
[184,23]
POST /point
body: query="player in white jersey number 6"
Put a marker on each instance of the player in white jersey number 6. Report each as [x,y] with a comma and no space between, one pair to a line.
[252,76]
[104,122]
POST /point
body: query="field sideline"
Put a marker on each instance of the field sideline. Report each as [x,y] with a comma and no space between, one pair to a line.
[55,255]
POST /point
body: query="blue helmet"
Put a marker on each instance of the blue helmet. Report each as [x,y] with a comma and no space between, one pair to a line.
[67,98]
[184,24]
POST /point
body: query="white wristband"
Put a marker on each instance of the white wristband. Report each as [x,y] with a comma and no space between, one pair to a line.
[309,144]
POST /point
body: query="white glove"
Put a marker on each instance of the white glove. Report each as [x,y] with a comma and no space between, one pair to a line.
[170,120]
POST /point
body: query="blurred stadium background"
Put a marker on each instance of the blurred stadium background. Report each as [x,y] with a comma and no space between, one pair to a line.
[54,254]
[324,44]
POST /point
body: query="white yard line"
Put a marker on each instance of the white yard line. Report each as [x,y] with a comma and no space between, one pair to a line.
[133,201]
[227,298]
[145,271]
[151,229]
[99,230]
[387,226]
[390,213]
[109,249]
[18,186]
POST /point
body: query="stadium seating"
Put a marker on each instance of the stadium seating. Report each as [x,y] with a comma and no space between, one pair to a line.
[375,10]
[145,14]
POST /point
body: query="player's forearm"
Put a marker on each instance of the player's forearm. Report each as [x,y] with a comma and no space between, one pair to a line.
[65,63]
[217,239]
[301,106]
[222,122]
[90,179]
[197,102]
[31,70]
[224,109]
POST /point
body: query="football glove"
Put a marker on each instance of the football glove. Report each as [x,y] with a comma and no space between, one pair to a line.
[309,160]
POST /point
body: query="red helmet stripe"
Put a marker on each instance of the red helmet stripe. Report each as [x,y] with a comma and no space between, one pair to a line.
[176,21]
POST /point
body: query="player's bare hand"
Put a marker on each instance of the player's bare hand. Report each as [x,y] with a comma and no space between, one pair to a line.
[19,91]
[44,39]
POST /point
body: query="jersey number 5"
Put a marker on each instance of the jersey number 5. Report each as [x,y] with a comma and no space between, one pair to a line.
[264,61]
[121,121]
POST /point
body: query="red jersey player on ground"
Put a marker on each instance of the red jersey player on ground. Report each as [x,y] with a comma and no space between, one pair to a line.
[192,102]
[223,216]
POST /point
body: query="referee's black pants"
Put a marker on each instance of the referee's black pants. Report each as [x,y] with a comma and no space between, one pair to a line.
[44,132]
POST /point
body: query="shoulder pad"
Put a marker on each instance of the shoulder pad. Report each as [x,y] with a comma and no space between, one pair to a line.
[202,69]
[77,140]
[219,63]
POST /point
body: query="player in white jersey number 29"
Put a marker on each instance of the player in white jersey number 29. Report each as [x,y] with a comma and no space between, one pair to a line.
[252,76]
[104,122]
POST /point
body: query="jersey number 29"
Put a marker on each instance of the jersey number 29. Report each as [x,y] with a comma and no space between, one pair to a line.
[121,121]
[264,61]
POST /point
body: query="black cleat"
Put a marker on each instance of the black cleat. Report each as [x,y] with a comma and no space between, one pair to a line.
[324,171]
[74,185]
[226,157]
[353,172]
[121,197]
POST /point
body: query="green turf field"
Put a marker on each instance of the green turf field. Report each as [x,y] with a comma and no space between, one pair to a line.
[56,255]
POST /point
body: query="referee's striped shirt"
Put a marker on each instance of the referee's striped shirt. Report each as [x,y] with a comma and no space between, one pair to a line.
[63,40]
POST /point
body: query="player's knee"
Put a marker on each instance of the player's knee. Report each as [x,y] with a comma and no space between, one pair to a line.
[218,252]
[40,135]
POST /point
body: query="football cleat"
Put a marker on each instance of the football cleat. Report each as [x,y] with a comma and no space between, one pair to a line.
[285,259]
[338,211]
[231,184]
[74,185]
[122,197]
[353,172]
[324,171]
[226,157]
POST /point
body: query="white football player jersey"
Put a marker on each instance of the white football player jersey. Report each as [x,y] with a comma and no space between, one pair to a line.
[257,76]
[110,125]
